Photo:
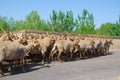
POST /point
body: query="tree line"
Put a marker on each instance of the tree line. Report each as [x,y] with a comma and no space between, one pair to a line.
[61,22]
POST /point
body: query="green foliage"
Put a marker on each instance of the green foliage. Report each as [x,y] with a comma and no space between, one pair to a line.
[110,29]
[114,30]
[4,24]
[103,30]
[61,22]
[33,22]
[85,23]
[19,25]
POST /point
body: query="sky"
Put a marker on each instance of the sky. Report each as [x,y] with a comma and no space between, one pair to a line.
[103,10]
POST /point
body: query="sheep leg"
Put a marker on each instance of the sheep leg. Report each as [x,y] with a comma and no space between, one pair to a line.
[17,63]
[51,55]
[94,52]
[43,56]
[23,69]
[46,59]
[1,72]
[80,55]
[22,65]
[85,53]
[58,57]
[25,61]
[67,56]
[106,52]
[71,56]
[10,68]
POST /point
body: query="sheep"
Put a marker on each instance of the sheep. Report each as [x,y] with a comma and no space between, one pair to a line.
[21,44]
[106,47]
[5,37]
[35,50]
[65,46]
[99,47]
[13,51]
[46,45]
[41,47]
[86,47]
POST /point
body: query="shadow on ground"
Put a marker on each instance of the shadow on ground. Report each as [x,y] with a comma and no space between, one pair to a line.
[33,66]
[28,68]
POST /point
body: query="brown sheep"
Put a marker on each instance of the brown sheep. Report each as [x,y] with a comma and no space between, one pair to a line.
[106,47]
[13,51]
[65,46]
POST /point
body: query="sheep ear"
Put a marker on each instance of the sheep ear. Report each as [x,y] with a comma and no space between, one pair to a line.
[47,34]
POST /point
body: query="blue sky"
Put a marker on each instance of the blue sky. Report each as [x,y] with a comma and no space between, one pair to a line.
[102,10]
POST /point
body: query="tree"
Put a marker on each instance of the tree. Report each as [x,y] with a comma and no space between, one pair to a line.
[111,29]
[53,21]
[4,24]
[33,20]
[85,23]
[11,23]
[103,30]
[61,22]
[69,21]
[19,25]
[114,30]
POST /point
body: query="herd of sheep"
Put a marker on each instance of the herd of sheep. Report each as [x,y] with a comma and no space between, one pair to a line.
[17,48]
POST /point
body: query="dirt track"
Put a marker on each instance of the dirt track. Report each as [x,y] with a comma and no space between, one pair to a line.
[116,44]
[98,68]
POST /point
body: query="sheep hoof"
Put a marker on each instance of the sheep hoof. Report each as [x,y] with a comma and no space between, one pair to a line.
[2,75]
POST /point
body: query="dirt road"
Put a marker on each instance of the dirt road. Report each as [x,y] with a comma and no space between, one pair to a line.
[98,68]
